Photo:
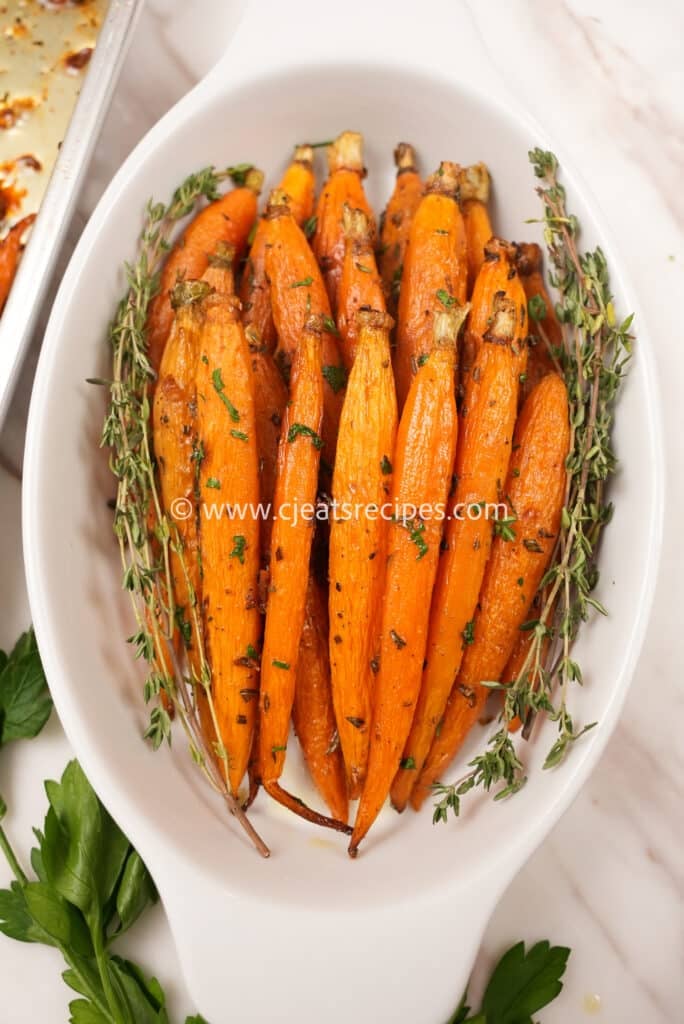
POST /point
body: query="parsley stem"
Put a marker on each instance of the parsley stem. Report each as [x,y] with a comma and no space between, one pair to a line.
[10,855]
[105,977]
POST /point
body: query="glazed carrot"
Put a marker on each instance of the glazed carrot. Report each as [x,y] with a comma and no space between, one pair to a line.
[298,459]
[344,185]
[358,542]
[546,334]
[298,184]
[536,489]
[10,250]
[497,329]
[297,293]
[360,284]
[423,462]
[397,218]
[434,274]
[174,422]
[270,399]
[228,476]
[228,219]
[312,713]
[474,191]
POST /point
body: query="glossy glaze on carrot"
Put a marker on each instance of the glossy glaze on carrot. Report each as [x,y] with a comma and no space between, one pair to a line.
[497,329]
[535,489]
[397,219]
[434,273]
[298,183]
[230,552]
[358,542]
[296,484]
[228,219]
[313,715]
[343,186]
[298,293]
[360,284]
[174,432]
[474,192]
[546,333]
[422,467]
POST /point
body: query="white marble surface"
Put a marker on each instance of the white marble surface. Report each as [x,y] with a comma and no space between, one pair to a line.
[609,880]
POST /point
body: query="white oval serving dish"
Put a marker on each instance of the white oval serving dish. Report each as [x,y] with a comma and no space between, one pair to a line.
[309,934]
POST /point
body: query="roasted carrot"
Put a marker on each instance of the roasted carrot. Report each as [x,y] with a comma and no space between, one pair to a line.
[423,462]
[174,420]
[229,547]
[360,284]
[497,329]
[10,250]
[474,192]
[270,399]
[546,334]
[344,185]
[228,219]
[535,489]
[358,540]
[298,184]
[298,459]
[312,713]
[396,220]
[434,275]
[297,293]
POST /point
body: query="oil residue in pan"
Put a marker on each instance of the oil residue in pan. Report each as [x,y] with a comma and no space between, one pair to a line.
[45,49]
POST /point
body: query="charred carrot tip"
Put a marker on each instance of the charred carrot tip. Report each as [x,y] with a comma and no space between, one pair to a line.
[314,324]
[528,258]
[445,180]
[498,247]
[474,182]
[405,157]
[346,153]
[185,293]
[298,807]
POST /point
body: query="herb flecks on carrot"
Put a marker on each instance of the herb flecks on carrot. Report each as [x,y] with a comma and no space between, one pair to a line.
[396,221]
[434,274]
[536,490]
[313,715]
[228,219]
[423,463]
[344,185]
[298,183]
[298,293]
[496,330]
[474,191]
[298,462]
[358,542]
[230,551]
[360,284]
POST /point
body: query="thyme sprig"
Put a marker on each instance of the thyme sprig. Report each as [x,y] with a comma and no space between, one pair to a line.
[147,536]
[592,359]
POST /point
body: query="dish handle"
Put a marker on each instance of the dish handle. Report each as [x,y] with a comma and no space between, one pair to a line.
[444,38]
[254,961]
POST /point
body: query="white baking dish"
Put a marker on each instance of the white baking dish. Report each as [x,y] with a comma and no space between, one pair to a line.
[310,935]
